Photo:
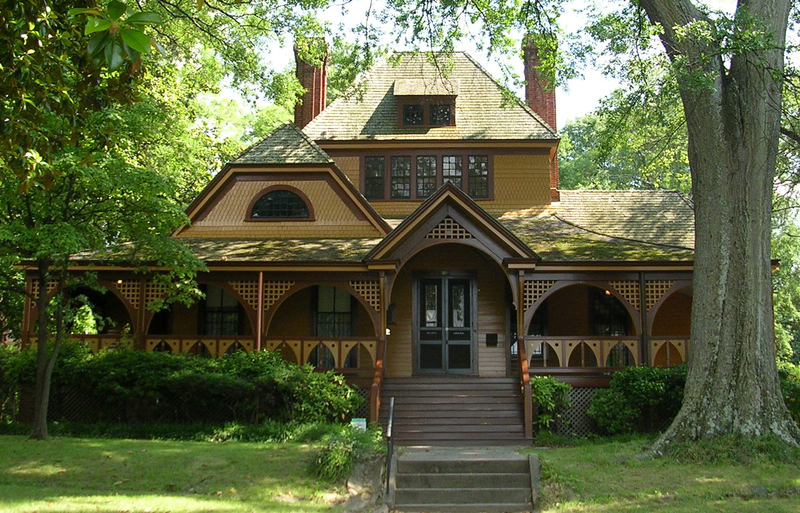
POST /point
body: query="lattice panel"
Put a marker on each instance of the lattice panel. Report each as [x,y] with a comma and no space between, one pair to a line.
[51,286]
[274,290]
[574,422]
[370,291]
[628,289]
[655,290]
[248,289]
[130,291]
[534,289]
[152,292]
[449,228]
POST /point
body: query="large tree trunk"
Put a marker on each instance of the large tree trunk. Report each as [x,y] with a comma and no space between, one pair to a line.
[46,353]
[732,113]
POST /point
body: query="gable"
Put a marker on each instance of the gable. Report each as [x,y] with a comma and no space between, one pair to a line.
[450,216]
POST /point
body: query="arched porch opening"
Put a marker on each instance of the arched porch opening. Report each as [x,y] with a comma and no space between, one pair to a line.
[452,310]
[216,325]
[99,320]
[323,325]
[582,325]
[670,328]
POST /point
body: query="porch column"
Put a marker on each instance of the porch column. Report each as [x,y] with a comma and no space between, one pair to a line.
[644,353]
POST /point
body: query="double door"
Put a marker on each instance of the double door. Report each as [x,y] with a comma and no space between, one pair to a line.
[444,325]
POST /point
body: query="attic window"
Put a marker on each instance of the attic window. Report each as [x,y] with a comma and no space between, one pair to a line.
[426,112]
[280,204]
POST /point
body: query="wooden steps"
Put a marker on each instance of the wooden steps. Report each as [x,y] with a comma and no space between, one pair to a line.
[444,410]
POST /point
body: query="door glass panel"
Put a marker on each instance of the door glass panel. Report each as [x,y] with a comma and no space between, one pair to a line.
[459,356]
[430,357]
[431,308]
[459,315]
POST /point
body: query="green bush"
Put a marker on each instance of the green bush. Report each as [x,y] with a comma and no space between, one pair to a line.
[550,398]
[126,386]
[789,375]
[343,448]
[639,399]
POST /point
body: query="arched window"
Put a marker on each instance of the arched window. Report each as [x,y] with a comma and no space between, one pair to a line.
[280,204]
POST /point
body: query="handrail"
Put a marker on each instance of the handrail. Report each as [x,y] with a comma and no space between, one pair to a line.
[527,394]
[390,444]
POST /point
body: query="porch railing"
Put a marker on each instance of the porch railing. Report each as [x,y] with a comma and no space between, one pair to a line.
[603,352]
[331,352]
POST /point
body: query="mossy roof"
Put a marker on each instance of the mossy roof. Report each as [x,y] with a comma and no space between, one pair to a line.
[287,144]
[484,109]
[281,250]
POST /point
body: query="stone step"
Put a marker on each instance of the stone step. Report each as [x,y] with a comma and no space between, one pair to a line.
[462,466]
[451,496]
[461,480]
[465,508]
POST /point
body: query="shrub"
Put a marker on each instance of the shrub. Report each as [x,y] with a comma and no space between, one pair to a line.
[789,375]
[342,449]
[639,399]
[128,386]
[551,399]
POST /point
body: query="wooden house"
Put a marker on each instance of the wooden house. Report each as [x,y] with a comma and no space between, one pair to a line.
[412,236]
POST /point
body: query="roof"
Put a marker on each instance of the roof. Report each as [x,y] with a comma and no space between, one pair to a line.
[484,109]
[287,144]
[280,250]
[609,226]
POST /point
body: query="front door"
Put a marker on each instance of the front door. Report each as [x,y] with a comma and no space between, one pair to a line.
[444,325]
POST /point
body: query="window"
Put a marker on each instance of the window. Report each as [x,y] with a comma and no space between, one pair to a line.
[426,175]
[413,114]
[441,115]
[412,176]
[221,313]
[452,170]
[478,176]
[334,312]
[374,168]
[426,111]
[608,316]
[400,178]
[279,204]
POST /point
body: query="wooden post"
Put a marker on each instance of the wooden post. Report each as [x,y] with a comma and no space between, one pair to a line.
[260,313]
[525,378]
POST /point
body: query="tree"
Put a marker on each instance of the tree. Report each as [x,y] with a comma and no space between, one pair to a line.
[729,77]
[67,184]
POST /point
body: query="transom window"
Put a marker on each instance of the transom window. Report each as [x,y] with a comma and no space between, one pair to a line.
[280,204]
[417,176]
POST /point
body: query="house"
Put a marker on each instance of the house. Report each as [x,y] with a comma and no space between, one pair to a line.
[412,236]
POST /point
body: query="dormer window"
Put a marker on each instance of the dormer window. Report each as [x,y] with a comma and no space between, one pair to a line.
[279,204]
[422,103]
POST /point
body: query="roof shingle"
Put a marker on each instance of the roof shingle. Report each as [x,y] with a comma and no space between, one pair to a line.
[483,108]
[287,144]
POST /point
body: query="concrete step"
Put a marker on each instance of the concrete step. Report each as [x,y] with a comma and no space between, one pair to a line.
[435,465]
[465,508]
[461,480]
[463,496]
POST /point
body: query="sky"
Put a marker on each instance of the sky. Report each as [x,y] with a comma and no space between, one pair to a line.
[573,99]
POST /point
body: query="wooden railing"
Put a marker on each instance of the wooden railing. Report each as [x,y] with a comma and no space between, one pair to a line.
[668,351]
[560,352]
[95,343]
[339,348]
[199,344]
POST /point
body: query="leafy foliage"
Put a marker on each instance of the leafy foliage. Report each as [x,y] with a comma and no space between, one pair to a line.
[144,387]
[639,399]
[551,399]
[343,448]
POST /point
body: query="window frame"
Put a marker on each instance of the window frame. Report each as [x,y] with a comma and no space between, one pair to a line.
[275,188]
[413,156]
[426,102]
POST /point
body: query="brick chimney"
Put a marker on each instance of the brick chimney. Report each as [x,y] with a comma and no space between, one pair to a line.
[540,95]
[313,77]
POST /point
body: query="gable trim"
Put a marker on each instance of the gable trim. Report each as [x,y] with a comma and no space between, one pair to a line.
[446,198]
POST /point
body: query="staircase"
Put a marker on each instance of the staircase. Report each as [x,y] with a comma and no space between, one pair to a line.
[482,480]
[461,411]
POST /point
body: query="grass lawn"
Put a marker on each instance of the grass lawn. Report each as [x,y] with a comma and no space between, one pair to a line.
[86,475]
[610,478]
